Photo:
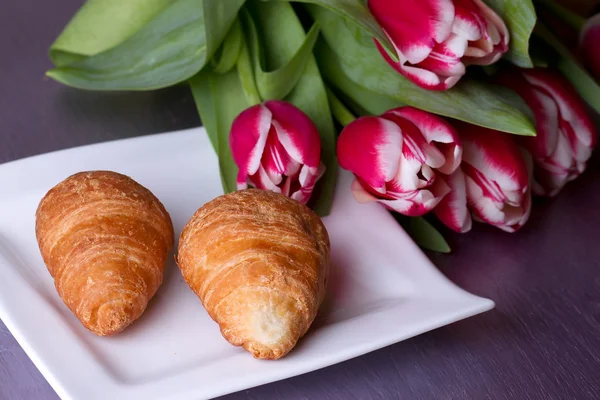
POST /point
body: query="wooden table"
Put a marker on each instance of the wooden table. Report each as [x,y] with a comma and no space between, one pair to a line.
[541,342]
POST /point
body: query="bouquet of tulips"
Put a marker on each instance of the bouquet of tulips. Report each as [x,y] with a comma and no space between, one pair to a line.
[451,110]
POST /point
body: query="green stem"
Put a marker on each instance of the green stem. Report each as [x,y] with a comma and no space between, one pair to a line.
[338,109]
[246,75]
[574,20]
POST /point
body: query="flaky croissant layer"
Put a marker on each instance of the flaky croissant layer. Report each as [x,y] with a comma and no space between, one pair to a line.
[105,240]
[259,262]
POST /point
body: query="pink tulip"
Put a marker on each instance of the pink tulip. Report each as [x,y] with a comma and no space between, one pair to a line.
[589,45]
[436,39]
[565,132]
[495,185]
[397,158]
[277,147]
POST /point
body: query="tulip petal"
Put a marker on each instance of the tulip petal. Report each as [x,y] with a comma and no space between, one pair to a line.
[508,215]
[547,123]
[562,156]
[308,178]
[493,154]
[493,34]
[414,26]
[494,27]
[275,160]
[589,39]
[443,62]
[452,209]
[361,194]
[412,175]
[247,139]
[570,105]
[262,180]
[414,143]
[421,77]
[414,203]
[418,202]
[370,147]
[468,22]
[484,207]
[566,134]
[296,132]
[438,131]
[242,182]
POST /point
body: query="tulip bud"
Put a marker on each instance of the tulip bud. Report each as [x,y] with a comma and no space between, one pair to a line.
[396,158]
[589,45]
[435,39]
[565,132]
[277,147]
[496,182]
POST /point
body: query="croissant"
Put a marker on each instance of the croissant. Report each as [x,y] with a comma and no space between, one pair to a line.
[105,240]
[259,262]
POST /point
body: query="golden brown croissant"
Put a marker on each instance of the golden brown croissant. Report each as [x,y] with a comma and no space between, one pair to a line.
[258,261]
[105,240]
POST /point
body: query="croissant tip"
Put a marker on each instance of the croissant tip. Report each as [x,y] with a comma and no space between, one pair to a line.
[262,352]
[112,318]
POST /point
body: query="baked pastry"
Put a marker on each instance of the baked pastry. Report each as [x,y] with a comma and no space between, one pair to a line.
[105,240]
[259,262]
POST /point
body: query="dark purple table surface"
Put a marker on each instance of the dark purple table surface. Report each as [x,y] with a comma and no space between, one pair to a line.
[541,342]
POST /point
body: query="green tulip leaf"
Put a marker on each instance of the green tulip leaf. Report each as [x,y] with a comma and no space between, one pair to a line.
[358,13]
[227,55]
[219,99]
[100,25]
[282,35]
[584,84]
[359,61]
[173,44]
[362,100]
[339,110]
[277,84]
[425,235]
[520,18]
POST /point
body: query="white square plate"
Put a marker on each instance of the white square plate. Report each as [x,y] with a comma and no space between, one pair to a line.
[382,287]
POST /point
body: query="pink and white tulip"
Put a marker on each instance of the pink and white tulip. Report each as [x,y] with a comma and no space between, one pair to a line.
[277,147]
[589,45]
[436,39]
[565,132]
[494,183]
[397,157]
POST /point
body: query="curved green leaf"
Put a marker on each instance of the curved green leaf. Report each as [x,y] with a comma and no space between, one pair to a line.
[170,48]
[470,101]
[282,35]
[276,84]
[100,25]
[363,100]
[219,99]
[226,57]
[426,236]
[520,18]
[358,13]
[339,110]
[586,86]
[246,74]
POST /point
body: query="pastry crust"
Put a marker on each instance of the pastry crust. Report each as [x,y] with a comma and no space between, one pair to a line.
[258,261]
[105,240]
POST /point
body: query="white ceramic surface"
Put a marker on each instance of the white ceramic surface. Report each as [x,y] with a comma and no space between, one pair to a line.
[382,288]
